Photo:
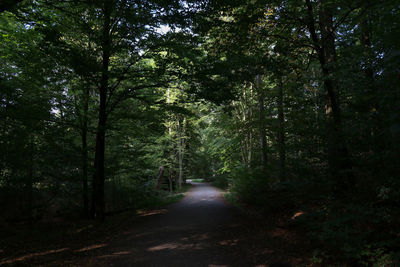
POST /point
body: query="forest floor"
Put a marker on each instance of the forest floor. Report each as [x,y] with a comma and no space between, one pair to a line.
[200,230]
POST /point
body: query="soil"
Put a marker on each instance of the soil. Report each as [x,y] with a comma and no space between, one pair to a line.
[200,230]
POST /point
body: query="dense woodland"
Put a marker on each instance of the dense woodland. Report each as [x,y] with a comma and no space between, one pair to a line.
[291,105]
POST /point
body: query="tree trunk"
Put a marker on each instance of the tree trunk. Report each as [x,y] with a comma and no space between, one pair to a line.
[367,53]
[261,117]
[338,156]
[281,133]
[29,184]
[160,177]
[171,187]
[244,112]
[98,205]
[185,163]
[180,162]
[181,150]
[85,197]
[370,92]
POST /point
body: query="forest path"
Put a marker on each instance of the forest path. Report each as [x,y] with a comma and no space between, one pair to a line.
[200,230]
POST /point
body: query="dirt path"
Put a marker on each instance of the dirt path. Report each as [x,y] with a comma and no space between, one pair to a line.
[200,230]
[197,231]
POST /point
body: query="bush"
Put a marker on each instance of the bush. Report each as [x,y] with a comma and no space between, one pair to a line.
[351,233]
[250,185]
[222,181]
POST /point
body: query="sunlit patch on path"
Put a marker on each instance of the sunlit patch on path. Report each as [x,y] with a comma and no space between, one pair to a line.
[32,255]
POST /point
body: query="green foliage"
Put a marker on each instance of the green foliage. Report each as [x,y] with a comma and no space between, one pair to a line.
[250,185]
[274,40]
[197,180]
[198,100]
[222,181]
[345,231]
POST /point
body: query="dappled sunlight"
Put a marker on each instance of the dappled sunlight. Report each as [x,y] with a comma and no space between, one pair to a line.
[199,237]
[32,255]
[209,198]
[207,232]
[164,246]
[96,246]
[144,213]
[297,214]
[229,242]
[122,253]
[115,254]
[175,246]
[85,228]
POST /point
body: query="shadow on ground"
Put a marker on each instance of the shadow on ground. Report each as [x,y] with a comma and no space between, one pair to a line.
[200,230]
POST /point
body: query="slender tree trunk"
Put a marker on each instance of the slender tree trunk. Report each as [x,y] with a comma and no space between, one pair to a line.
[85,196]
[185,163]
[261,118]
[367,57]
[281,133]
[181,151]
[370,91]
[98,204]
[171,187]
[29,184]
[180,162]
[160,177]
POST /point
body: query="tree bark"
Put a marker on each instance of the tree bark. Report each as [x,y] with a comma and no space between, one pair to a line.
[281,133]
[170,181]
[367,53]
[185,163]
[98,204]
[85,197]
[370,91]
[261,118]
[29,184]
[181,150]
[338,155]
[160,177]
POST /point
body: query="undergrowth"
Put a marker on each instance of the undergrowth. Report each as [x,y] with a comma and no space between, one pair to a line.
[360,231]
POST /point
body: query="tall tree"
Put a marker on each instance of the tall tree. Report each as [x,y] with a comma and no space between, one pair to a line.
[338,155]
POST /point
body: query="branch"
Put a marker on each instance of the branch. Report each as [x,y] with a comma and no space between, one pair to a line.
[344,17]
[118,82]
[127,93]
[311,26]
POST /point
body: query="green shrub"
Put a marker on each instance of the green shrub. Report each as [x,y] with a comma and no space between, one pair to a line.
[351,233]
[222,181]
[250,185]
